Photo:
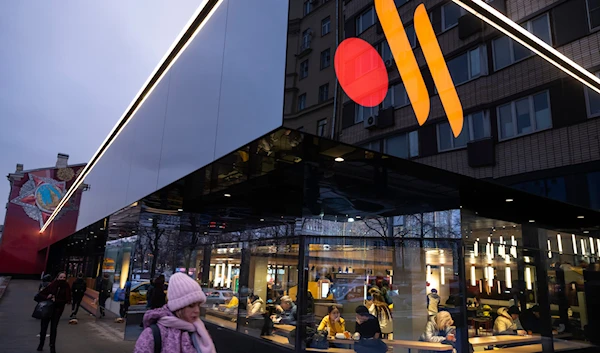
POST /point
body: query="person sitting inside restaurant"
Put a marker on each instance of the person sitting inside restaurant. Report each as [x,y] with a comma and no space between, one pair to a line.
[333,323]
[231,304]
[256,307]
[439,329]
[530,319]
[369,332]
[506,323]
[379,308]
[287,310]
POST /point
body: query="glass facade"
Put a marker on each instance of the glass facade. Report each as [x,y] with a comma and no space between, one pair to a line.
[292,227]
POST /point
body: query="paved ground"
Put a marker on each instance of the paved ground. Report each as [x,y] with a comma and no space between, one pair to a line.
[18,329]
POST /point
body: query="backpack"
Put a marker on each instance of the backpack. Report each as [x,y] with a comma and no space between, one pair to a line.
[157,338]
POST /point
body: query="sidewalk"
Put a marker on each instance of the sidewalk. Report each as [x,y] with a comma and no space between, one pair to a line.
[18,329]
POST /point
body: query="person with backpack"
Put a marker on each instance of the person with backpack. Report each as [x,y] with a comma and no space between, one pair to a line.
[176,327]
[77,293]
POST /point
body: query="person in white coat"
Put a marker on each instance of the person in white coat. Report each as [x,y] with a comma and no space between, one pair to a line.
[379,308]
[433,302]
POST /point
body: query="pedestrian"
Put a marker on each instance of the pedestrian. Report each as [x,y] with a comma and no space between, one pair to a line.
[104,293]
[59,292]
[46,279]
[158,298]
[178,323]
[77,293]
[149,294]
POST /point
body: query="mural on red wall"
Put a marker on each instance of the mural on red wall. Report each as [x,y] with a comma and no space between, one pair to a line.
[40,195]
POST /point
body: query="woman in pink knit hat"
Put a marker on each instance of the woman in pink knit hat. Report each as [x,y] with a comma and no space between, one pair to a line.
[178,322]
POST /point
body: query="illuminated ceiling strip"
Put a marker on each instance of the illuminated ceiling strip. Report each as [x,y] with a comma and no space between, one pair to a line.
[200,17]
[530,41]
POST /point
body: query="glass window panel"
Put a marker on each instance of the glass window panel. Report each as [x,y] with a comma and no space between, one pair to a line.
[523,117]
[444,137]
[459,69]
[502,53]
[412,35]
[386,53]
[387,101]
[593,102]
[541,28]
[401,98]
[506,121]
[413,140]
[593,180]
[450,12]
[520,52]
[397,146]
[542,111]
[481,125]
[475,62]
[463,138]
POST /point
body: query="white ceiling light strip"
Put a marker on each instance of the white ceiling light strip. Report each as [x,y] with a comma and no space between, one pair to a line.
[123,121]
[573,69]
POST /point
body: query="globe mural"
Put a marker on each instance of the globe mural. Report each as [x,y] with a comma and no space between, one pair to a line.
[47,197]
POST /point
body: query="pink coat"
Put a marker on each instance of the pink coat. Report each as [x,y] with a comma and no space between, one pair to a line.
[173,340]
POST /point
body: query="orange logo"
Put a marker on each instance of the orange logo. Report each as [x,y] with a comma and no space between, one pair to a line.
[369,88]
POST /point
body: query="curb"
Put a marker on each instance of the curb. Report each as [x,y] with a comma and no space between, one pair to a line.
[3,285]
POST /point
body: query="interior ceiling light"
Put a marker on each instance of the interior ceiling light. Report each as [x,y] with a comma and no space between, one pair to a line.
[201,16]
[509,200]
[227,195]
[531,221]
[507,26]
[339,159]
[580,217]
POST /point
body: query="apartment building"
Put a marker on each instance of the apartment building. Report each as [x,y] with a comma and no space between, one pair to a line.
[527,124]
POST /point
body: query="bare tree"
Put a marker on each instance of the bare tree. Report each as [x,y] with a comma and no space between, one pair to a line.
[153,235]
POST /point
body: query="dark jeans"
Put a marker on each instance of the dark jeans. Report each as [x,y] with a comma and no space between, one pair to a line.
[53,322]
[76,304]
[102,303]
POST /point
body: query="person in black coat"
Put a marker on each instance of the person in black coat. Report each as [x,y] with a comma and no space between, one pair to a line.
[60,292]
[158,297]
[77,292]
[104,293]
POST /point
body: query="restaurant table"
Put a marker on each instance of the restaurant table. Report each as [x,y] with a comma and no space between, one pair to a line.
[496,340]
[431,346]
[284,327]
[537,348]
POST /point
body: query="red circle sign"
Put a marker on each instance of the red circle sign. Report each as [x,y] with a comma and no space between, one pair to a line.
[361,72]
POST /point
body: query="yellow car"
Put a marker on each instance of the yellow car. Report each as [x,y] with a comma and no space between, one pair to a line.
[137,295]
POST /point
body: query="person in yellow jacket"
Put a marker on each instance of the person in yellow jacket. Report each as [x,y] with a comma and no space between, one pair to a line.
[233,303]
[334,323]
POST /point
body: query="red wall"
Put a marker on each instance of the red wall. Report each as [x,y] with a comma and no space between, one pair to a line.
[31,201]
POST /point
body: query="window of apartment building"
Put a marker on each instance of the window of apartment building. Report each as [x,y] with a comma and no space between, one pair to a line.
[384,51]
[405,145]
[400,2]
[412,35]
[476,127]
[507,52]
[468,66]
[593,7]
[400,96]
[450,15]
[593,102]
[524,116]
[306,35]
[365,20]
[323,92]
[307,7]
[321,127]
[304,69]
[361,113]
[325,25]
[302,102]
[372,146]
[325,58]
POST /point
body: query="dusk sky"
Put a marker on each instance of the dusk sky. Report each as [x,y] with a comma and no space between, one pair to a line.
[70,68]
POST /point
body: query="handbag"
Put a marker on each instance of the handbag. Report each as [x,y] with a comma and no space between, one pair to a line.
[44,308]
[319,340]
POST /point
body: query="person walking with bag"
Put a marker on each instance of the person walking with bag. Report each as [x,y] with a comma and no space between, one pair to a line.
[60,293]
[78,291]
[176,327]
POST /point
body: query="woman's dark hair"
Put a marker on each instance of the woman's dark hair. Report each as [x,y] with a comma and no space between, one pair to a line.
[80,275]
[331,308]
[60,273]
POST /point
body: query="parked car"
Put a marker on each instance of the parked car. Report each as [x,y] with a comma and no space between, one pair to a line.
[138,293]
[217,296]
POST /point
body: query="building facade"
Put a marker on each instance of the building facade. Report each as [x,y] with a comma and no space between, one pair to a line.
[34,195]
[527,124]
[245,165]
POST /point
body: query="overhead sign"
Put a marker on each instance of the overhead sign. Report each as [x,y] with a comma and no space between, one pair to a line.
[363,76]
